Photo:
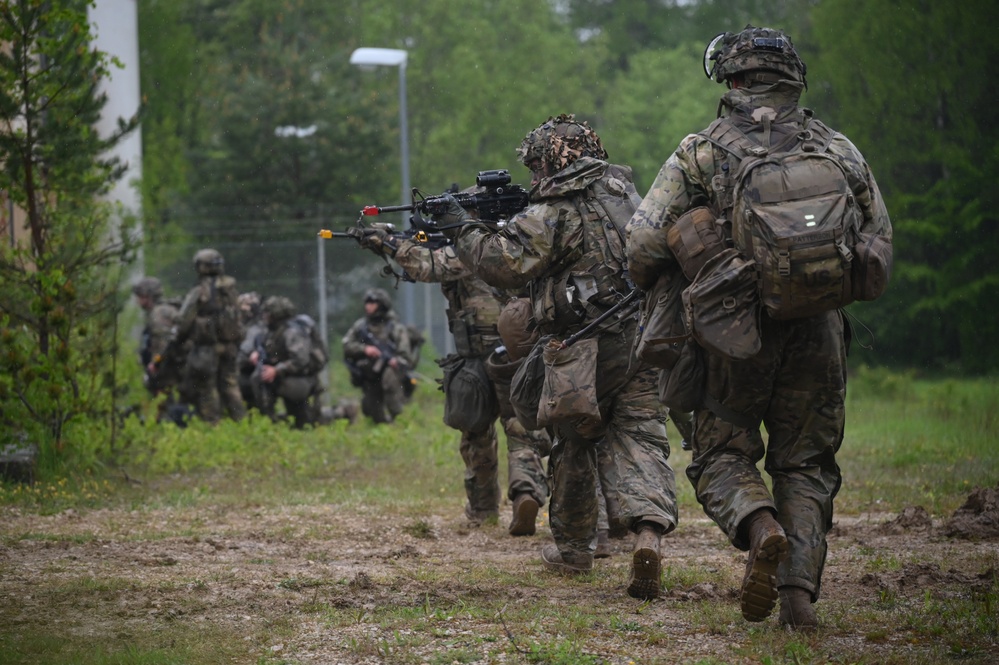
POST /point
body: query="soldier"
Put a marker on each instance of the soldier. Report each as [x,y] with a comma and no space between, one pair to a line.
[378,353]
[287,365]
[567,247]
[209,320]
[795,384]
[162,364]
[473,311]
[253,339]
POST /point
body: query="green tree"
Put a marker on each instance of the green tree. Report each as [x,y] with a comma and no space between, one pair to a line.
[911,85]
[58,286]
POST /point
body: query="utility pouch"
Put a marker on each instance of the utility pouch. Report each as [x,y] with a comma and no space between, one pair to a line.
[469,399]
[569,393]
[203,361]
[501,369]
[871,269]
[695,238]
[722,306]
[295,388]
[662,330]
[527,384]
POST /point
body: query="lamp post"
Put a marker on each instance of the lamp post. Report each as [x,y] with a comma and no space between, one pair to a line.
[390,57]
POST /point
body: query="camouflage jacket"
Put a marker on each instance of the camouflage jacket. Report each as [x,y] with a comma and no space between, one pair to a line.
[287,348]
[385,328]
[566,257]
[684,182]
[195,321]
[473,305]
[255,330]
[160,321]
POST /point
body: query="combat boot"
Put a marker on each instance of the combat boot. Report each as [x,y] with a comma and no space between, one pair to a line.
[525,512]
[767,547]
[555,562]
[646,565]
[796,611]
[603,545]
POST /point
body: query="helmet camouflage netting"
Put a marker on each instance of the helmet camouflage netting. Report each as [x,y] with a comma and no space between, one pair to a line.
[753,50]
[560,141]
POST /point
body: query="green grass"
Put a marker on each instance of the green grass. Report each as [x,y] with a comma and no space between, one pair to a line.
[909,441]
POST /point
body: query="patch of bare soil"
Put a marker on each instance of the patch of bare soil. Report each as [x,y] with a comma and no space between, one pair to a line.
[121,573]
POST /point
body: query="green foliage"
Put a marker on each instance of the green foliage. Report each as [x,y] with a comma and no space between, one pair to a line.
[58,285]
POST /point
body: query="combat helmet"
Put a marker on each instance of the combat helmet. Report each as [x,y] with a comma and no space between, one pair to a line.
[148,287]
[209,262]
[766,52]
[249,305]
[379,296]
[560,141]
[277,309]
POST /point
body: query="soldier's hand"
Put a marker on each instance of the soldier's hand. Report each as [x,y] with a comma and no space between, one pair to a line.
[268,373]
[375,240]
[453,216]
[372,351]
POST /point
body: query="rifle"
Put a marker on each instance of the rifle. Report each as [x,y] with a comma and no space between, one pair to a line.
[625,307]
[386,347]
[359,231]
[263,393]
[499,200]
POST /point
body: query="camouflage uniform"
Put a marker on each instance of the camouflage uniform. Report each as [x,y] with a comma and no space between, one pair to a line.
[473,309]
[543,247]
[256,331]
[167,376]
[286,347]
[795,386]
[382,385]
[211,362]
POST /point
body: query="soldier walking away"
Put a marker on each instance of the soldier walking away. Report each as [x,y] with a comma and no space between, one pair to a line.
[378,353]
[795,382]
[162,363]
[475,390]
[209,320]
[567,248]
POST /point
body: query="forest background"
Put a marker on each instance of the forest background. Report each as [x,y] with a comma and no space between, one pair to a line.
[908,82]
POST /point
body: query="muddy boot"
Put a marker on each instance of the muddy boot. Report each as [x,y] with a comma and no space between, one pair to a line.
[646,565]
[554,561]
[525,512]
[603,545]
[477,518]
[796,611]
[767,546]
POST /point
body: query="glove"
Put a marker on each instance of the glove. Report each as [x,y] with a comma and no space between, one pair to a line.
[375,240]
[453,213]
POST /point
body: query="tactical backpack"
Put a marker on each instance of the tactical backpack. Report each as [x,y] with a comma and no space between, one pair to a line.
[223,307]
[794,215]
[318,355]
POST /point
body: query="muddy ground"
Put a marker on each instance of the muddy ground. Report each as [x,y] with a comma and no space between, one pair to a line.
[286,577]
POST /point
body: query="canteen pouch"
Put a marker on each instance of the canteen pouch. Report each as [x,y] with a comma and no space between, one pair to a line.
[695,238]
[570,385]
[501,369]
[722,306]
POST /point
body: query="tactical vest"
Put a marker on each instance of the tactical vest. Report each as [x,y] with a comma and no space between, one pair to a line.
[592,276]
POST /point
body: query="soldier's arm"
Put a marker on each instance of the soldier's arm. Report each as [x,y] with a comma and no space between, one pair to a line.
[353,347]
[522,250]
[679,186]
[188,313]
[424,264]
[297,346]
[865,188]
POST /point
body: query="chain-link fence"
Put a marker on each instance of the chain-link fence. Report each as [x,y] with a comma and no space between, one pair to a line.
[284,256]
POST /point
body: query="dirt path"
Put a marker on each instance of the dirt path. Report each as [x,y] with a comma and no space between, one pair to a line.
[312,584]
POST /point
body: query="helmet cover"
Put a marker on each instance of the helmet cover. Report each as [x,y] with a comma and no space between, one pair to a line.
[560,141]
[753,49]
[209,262]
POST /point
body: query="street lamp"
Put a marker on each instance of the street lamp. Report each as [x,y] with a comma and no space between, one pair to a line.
[391,57]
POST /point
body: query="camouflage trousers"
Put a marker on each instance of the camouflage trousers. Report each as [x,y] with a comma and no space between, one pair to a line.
[383,396]
[627,462]
[479,451]
[796,387]
[215,385]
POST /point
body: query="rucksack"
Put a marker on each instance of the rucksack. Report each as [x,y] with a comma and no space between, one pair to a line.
[793,213]
[223,303]
[318,355]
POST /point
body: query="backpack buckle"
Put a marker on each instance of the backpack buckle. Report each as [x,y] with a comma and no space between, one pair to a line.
[784,263]
[758,151]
